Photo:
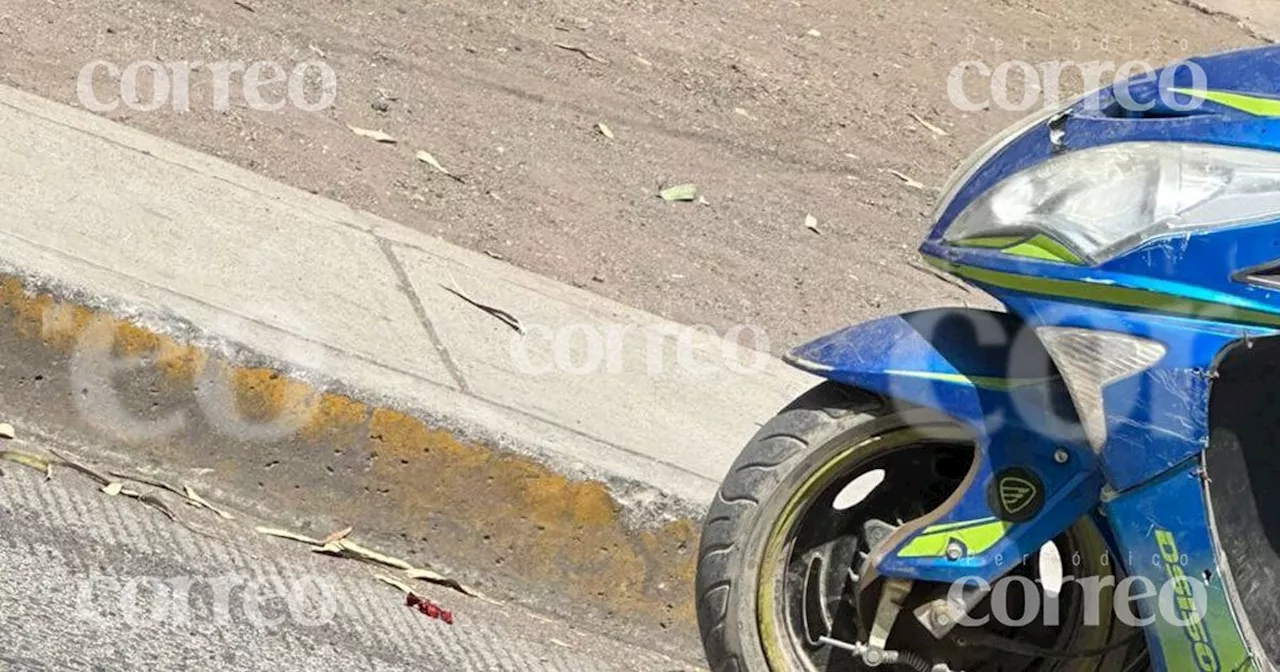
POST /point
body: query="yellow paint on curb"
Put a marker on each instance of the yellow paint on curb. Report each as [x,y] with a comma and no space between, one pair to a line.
[501,509]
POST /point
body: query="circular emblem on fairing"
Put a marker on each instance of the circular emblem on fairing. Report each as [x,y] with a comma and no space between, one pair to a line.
[1016,494]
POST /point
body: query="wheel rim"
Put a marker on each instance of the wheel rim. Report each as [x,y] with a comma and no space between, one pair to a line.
[814,554]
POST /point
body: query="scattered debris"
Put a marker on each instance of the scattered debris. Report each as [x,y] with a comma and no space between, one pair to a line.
[286,534]
[244,5]
[381,105]
[507,318]
[813,32]
[186,492]
[192,496]
[431,576]
[580,50]
[597,278]
[811,223]
[680,192]
[148,499]
[427,158]
[404,587]
[378,136]
[316,50]
[114,488]
[336,536]
[558,642]
[494,255]
[932,128]
[742,112]
[28,460]
[349,549]
[429,608]
[604,130]
[907,180]
[6,431]
[416,601]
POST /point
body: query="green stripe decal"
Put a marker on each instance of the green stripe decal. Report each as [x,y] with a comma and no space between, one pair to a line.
[977,538]
[1038,246]
[1111,294]
[997,242]
[1041,246]
[1255,105]
[984,382]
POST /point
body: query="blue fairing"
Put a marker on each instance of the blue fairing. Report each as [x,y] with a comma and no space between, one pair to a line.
[1197,294]
[988,370]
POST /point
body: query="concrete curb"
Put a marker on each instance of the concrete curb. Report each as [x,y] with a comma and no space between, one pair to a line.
[400,477]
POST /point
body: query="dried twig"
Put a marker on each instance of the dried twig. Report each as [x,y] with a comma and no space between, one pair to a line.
[580,50]
[507,318]
[932,128]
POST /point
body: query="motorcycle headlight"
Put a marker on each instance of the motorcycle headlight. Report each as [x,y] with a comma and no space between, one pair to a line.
[1103,201]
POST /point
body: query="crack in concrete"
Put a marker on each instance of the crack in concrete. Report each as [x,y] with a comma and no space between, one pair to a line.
[415,301]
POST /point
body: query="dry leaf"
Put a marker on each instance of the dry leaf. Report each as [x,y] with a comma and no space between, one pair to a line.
[438,578]
[604,130]
[680,192]
[350,549]
[191,495]
[373,135]
[812,223]
[336,536]
[427,158]
[394,582]
[285,534]
[914,184]
[934,129]
[114,488]
[26,459]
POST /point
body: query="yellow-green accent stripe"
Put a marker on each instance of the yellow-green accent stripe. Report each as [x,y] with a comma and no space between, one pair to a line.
[977,538]
[1041,246]
[1038,246]
[984,382]
[1111,294]
[996,242]
[1255,105]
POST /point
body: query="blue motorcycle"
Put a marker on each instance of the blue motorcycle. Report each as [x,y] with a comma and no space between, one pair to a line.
[1079,483]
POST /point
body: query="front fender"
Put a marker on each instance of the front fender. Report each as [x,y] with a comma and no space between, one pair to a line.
[990,372]
[945,359]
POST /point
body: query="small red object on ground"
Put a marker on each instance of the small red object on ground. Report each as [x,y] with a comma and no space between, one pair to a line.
[431,609]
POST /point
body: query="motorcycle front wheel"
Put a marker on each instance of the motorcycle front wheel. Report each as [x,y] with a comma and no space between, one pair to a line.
[786,539]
